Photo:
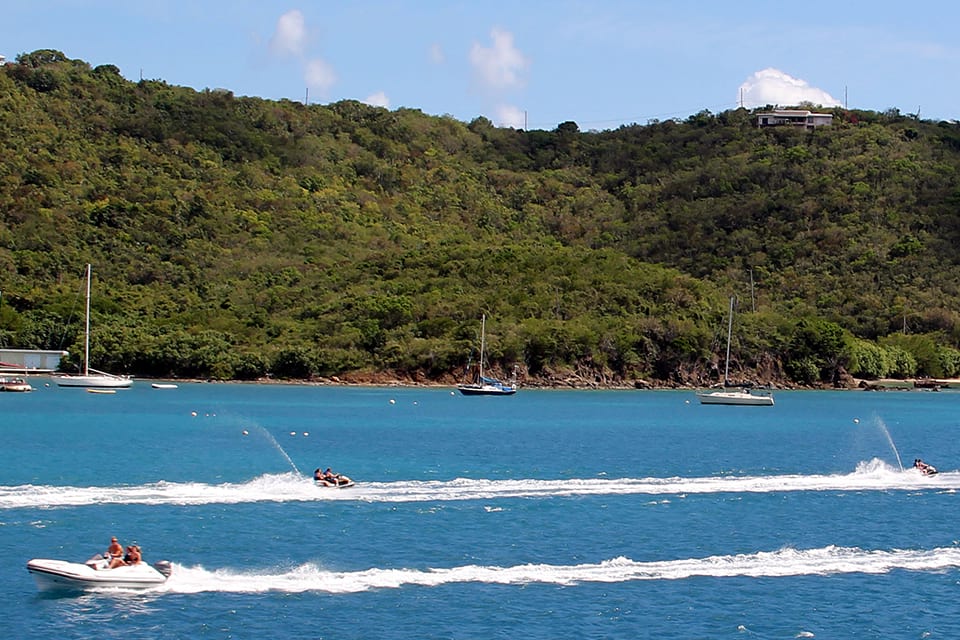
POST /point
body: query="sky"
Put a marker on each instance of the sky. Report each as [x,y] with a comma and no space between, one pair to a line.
[522,63]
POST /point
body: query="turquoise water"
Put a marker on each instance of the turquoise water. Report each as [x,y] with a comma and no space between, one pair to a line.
[615,514]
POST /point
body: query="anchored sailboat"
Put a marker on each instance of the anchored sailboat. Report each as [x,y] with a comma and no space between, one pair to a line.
[91,377]
[482,385]
[728,395]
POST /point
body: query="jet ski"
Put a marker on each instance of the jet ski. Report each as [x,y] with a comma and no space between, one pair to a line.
[330,479]
[925,468]
[60,575]
[340,481]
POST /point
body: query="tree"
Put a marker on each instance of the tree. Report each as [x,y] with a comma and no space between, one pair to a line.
[41,58]
[816,345]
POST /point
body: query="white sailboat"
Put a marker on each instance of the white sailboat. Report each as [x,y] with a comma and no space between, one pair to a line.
[732,395]
[92,377]
[484,385]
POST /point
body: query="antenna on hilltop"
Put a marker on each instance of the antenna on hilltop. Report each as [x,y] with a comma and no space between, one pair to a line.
[306,97]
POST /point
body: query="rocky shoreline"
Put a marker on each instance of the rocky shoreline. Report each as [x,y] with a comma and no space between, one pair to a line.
[569,380]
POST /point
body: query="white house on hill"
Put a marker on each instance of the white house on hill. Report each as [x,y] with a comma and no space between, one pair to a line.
[794,118]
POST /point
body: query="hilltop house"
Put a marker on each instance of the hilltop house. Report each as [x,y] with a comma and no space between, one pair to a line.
[794,118]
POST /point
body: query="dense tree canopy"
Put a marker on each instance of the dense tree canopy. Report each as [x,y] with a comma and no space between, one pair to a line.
[239,237]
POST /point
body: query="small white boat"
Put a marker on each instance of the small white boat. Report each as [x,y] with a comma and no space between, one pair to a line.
[15,385]
[105,391]
[60,575]
[163,385]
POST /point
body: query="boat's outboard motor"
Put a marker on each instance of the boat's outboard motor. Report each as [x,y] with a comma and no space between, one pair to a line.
[165,567]
[99,561]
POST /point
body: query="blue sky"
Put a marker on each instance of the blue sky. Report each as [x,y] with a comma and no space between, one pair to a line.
[599,63]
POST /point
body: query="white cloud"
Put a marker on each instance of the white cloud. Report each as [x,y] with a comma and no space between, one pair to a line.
[510,116]
[774,87]
[436,54]
[319,75]
[500,66]
[290,38]
[290,35]
[378,99]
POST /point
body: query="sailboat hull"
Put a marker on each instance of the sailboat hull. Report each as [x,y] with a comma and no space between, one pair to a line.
[744,398]
[97,382]
[486,390]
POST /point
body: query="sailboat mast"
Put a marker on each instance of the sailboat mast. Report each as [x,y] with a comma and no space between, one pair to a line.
[86,332]
[726,369]
[483,340]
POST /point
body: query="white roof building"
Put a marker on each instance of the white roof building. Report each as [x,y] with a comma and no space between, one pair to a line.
[794,118]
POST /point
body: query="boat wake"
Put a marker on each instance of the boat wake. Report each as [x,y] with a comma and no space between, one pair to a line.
[291,487]
[784,562]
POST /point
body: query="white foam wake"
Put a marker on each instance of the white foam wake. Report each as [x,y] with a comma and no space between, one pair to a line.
[290,487]
[784,562]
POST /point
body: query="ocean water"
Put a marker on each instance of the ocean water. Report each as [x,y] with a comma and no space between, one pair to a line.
[602,514]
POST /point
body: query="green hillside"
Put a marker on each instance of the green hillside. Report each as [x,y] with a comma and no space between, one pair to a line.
[234,238]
